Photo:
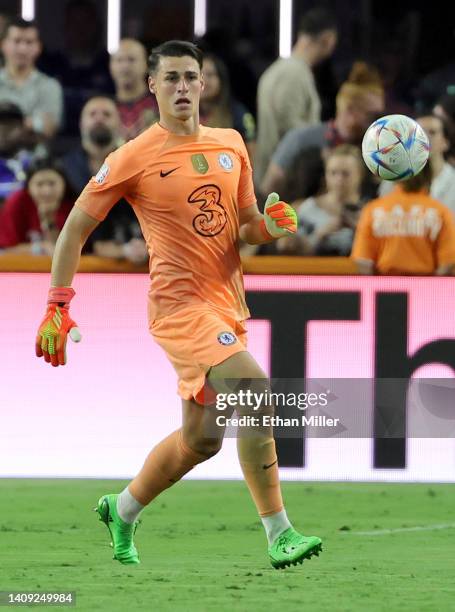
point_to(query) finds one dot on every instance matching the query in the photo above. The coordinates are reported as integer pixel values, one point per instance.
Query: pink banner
(100, 414)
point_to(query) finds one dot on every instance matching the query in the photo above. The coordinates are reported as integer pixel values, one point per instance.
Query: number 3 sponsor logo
(212, 217)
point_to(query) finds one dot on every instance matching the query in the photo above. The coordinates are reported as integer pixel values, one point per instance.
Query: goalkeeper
(191, 189)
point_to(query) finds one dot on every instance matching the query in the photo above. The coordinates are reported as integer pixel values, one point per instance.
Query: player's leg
(255, 445)
(176, 455)
(199, 428)
(258, 459)
(183, 449)
(165, 465)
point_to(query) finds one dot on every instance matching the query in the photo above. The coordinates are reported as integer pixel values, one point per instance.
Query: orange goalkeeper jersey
(186, 192)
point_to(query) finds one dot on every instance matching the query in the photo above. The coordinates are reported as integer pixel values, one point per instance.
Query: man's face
(21, 47)
(177, 85)
(129, 64)
(432, 126)
(100, 121)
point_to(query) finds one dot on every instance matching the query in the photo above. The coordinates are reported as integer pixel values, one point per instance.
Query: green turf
(202, 548)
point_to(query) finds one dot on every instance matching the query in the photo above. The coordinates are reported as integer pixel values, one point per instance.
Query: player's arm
(117, 178)
(57, 324)
(250, 225)
(72, 238)
(279, 219)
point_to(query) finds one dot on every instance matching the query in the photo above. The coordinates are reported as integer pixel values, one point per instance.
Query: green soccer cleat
(291, 548)
(121, 532)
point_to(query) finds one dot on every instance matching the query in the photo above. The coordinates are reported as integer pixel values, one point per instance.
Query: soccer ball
(395, 148)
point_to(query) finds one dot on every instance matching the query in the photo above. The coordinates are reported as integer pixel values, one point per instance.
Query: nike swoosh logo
(163, 174)
(266, 467)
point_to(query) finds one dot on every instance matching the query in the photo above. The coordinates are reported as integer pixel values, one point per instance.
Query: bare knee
(200, 429)
(208, 447)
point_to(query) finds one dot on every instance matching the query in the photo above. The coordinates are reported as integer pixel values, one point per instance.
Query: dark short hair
(22, 24)
(173, 48)
(317, 20)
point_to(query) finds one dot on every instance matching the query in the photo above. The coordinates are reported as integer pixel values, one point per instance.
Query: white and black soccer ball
(395, 148)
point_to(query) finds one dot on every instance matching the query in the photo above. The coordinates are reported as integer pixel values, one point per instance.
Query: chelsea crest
(225, 161)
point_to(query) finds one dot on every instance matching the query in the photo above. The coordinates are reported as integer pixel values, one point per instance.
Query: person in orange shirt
(406, 232)
(192, 191)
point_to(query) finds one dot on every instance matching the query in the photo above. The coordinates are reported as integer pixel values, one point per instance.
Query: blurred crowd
(62, 113)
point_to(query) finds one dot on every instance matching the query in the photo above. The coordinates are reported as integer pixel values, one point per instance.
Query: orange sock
(259, 463)
(167, 463)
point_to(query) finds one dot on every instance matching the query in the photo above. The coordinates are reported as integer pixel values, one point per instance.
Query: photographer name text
(266, 420)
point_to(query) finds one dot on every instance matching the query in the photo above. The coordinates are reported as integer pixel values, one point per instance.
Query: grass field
(203, 550)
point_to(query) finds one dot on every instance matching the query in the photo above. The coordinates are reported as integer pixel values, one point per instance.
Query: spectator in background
(32, 218)
(406, 232)
(287, 97)
(297, 162)
(14, 153)
(136, 105)
(445, 108)
(327, 222)
(443, 183)
(39, 96)
(100, 135)
(237, 49)
(120, 235)
(83, 66)
(218, 108)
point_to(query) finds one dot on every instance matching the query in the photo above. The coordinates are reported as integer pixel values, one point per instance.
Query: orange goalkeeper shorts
(196, 339)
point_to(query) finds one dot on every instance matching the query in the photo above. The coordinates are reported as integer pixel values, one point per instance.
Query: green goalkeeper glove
(280, 219)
